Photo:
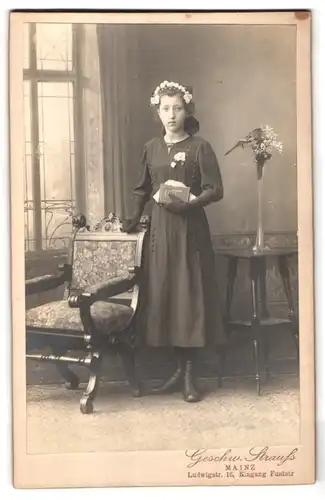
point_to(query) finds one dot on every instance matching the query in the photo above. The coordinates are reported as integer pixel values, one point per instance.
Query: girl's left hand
(177, 206)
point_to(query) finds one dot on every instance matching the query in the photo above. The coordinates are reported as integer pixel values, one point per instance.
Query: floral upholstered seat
(108, 317)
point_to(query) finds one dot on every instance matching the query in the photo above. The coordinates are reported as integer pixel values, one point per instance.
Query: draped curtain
(119, 73)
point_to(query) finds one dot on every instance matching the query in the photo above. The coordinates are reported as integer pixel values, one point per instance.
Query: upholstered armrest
(104, 289)
(113, 286)
(46, 282)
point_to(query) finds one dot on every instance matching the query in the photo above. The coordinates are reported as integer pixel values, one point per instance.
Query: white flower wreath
(155, 99)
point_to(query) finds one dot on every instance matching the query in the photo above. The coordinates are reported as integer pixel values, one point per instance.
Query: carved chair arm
(45, 282)
(105, 289)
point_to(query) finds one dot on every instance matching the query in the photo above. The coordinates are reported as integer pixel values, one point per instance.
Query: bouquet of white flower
(262, 141)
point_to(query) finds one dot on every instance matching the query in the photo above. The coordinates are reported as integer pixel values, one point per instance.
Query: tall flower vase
(260, 245)
(262, 141)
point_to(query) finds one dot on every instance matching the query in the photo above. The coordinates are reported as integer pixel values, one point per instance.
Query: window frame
(34, 75)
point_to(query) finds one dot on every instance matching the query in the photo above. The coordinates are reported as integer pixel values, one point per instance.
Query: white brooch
(179, 157)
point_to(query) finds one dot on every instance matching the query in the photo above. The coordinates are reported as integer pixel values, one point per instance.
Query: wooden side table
(260, 316)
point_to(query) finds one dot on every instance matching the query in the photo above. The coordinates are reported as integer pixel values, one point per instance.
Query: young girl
(182, 300)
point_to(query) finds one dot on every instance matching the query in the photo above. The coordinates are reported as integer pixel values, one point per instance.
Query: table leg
(262, 280)
(285, 275)
(254, 277)
(222, 364)
(231, 277)
(264, 312)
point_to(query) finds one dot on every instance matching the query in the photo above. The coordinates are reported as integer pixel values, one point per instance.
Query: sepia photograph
(162, 224)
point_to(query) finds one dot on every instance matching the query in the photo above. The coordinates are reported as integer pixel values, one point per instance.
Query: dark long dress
(182, 299)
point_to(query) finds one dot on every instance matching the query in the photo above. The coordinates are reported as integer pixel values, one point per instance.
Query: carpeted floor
(233, 416)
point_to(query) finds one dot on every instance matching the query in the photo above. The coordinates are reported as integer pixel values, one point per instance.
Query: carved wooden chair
(98, 310)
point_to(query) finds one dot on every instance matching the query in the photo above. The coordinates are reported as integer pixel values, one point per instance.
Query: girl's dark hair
(191, 125)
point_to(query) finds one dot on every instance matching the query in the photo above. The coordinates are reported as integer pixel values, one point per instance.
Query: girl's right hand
(128, 226)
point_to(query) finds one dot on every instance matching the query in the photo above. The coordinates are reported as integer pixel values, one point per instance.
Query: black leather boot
(175, 382)
(190, 392)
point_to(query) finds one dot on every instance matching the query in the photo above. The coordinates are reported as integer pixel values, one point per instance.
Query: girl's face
(172, 113)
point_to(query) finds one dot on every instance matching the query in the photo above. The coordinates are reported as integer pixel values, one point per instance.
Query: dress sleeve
(144, 187)
(211, 181)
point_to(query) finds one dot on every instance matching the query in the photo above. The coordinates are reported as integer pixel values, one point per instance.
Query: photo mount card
(56, 445)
